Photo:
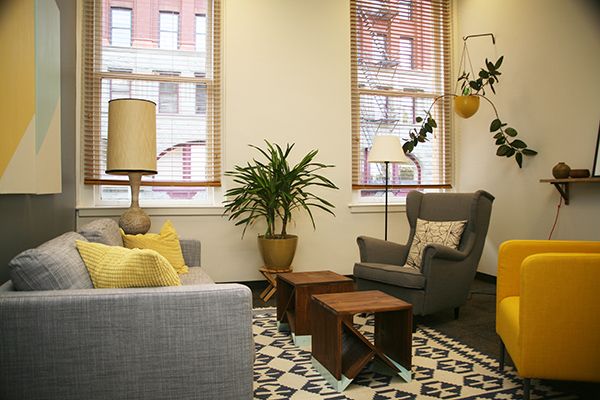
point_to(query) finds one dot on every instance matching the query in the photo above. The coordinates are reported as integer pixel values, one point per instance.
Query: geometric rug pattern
(442, 368)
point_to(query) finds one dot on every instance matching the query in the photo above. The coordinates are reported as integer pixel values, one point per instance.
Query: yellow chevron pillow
(118, 267)
(166, 243)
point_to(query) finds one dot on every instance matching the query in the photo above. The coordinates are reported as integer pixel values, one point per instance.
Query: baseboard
(485, 277)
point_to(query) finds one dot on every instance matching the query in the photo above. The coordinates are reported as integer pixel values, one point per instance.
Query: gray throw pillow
(53, 265)
(103, 230)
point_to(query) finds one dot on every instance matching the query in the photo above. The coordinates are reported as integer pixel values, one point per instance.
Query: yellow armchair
(548, 309)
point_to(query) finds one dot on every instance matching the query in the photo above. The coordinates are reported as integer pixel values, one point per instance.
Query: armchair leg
(456, 312)
(502, 355)
(526, 388)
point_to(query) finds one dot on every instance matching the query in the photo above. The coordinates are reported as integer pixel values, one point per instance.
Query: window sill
(152, 211)
(365, 208)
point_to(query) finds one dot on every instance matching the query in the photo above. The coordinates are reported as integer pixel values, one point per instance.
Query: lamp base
(134, 221)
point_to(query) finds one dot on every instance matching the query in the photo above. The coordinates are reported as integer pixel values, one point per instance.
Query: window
(120, 27)
(168, 95)
(184, 84)
(400, 64)
(169, 30)
(120, 88)
(201, 33)
(200, 97)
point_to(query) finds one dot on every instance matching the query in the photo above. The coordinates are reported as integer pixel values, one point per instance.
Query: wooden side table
(340, 351)
(271, 276)
(294, 291)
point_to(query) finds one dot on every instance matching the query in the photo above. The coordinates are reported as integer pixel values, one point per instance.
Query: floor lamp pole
(386, 197)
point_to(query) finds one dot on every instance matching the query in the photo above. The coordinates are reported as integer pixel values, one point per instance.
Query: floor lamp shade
(387, 149)
(132, 151)
(131, 137)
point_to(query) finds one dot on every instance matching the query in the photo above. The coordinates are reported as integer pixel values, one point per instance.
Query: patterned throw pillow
(447, 233)
(118, 267)
(166, 243)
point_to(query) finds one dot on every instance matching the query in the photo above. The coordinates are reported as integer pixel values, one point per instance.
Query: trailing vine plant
(504, 135)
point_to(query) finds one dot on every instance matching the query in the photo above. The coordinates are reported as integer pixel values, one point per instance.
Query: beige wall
(287, 79)
(550, 93)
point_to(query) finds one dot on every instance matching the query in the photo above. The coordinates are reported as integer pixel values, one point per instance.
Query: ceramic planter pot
(561, 170)
(278, 254)
(466, 106)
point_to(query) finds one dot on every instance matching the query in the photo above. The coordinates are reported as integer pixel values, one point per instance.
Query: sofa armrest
(191, 252)
(186, 342)
(512, 253)
(560, 310)
(381, 251)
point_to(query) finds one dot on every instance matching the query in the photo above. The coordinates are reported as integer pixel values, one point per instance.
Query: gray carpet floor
(475, 327)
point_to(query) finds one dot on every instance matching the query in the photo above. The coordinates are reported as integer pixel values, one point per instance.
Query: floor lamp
(387, 149)
(132, 151)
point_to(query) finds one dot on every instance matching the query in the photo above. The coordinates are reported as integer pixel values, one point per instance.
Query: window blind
(400, 53)
(147, 49)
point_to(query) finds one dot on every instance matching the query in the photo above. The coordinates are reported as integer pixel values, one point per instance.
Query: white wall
(550, 93)
(286, 79)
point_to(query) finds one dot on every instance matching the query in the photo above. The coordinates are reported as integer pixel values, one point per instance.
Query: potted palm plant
(272, 190)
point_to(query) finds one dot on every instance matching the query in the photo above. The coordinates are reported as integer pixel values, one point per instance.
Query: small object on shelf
(579, 173)
(561, 170)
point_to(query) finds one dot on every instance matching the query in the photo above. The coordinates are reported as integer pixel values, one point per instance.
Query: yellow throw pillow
(166, 243)
(118, 267)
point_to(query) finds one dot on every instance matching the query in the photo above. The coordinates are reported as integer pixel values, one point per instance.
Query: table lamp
(387, 149)
(132, 152)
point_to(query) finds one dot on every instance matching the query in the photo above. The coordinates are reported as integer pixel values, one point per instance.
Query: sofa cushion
(118, 267)
(397, 275)
(447, 233)
(103, 230)
(53, 265)
(166, 243)
(196, 276)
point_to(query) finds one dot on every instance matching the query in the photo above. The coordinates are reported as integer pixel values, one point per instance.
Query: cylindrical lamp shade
(387, 148)
(131, 137)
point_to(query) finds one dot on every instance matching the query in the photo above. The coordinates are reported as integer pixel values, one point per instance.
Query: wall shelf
(562, 185)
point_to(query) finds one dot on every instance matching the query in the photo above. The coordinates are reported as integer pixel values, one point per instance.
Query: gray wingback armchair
(446, 274)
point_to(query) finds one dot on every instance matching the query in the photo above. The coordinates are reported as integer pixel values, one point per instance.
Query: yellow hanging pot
(466, 106)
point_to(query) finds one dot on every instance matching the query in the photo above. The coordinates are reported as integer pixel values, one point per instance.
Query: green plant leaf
(428, 127)
(484, 74)
(519, 144)
(500, 140)
(407, 147)
(502, 150)
(519, 159)
(495, 125)
(432, 122)
(512, 132)
(419, 119)
(529, 152)
(499, 62)
(510, 152)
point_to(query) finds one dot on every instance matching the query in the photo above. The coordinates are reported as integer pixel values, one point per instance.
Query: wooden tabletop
(364, 301)
(312, 277)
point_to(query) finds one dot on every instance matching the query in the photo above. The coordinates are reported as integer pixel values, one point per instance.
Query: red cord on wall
(556, 218)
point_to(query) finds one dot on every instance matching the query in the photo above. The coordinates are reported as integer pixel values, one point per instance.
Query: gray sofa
(186, 342)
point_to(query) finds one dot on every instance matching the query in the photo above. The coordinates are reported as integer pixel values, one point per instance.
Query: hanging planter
(466, 106)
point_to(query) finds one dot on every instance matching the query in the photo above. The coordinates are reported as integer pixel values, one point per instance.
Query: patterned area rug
(442, 369)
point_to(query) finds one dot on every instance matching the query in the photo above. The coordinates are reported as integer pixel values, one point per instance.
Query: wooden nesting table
(340, 351)
(294, 291)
